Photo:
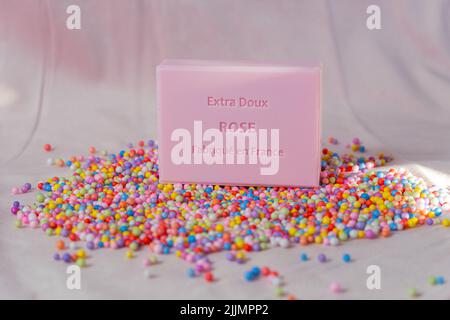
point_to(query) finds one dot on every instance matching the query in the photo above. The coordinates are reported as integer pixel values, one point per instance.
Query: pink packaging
(238, 123)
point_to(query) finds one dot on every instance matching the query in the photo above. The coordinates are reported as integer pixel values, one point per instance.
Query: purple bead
(26, 187)
(322, 258)
(120, 243)
(230, 256)
(360, 225)
(57, 257)
(67, 258)
(90, 245)
(16, 204)
(199, 268)
(370, 234)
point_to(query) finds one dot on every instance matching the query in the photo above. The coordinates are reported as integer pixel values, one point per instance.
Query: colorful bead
(208, 276)
(304, 257)
(48, 147)
(15, 190)
(335, 287)
(322, 258)
(26, 187)
(346, 258)
(60, 245)
(413, 293)
(191, 273)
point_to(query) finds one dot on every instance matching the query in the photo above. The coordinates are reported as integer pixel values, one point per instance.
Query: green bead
(153, 260)
(279, 291)
(81, 262)
(40, 197)
(136, 231)
(412, 292)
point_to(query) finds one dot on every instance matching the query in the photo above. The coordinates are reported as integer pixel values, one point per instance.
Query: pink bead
(15, 190)
(147, 262)
(335, 287)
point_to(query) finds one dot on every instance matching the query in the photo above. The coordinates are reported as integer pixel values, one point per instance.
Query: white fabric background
(95, 86)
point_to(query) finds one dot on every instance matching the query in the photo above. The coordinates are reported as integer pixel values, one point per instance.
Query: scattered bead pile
(115, 201)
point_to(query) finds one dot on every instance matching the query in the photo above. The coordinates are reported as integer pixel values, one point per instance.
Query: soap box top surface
(279, 102)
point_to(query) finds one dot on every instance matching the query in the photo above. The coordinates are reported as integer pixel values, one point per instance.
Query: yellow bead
(240, 255)
(81, 253)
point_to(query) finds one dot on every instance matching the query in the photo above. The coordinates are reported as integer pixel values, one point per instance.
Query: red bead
(47, 147)
(265, 271)
(208, 276)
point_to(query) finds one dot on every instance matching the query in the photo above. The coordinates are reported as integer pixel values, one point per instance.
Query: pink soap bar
(238, 123)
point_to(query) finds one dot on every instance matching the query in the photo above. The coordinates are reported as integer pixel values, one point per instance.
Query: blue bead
(304, 257)
(346, 258)
(191, 273)
(249, 276)
(256, 271)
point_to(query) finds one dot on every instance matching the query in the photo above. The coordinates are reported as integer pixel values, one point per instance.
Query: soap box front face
(239, 125)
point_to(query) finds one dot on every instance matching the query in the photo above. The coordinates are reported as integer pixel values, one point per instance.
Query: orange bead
(60, 245)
